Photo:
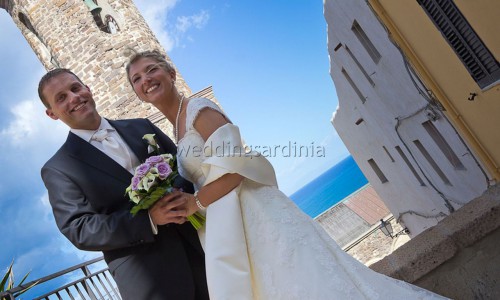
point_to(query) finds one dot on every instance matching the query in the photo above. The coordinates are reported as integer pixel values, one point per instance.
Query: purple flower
(163, 170)
(142, 170)
(154, 159)
(135, 183)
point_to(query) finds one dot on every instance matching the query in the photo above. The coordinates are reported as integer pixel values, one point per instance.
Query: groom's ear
(51, 114)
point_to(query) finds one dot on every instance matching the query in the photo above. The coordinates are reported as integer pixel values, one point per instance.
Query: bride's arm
(206, 123)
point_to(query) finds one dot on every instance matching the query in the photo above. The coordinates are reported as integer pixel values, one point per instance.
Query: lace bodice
(190, 152)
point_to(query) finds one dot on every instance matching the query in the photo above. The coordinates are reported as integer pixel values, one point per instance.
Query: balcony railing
(97, 285)
(100, 285)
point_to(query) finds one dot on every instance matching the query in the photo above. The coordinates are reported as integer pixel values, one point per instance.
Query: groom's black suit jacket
(87, 193)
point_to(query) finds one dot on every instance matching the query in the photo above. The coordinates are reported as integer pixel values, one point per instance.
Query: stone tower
(92, 38)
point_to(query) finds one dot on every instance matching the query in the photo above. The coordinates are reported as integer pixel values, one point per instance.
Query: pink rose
(163, 170)
(154, 160)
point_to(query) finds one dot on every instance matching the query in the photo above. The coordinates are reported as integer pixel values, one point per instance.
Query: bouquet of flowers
(153, 179)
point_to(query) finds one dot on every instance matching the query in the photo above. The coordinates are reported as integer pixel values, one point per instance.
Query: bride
(258, 244)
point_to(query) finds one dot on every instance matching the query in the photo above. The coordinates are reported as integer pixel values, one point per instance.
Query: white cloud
(23, 225)
(31, 258)
(184, 23)
(31, 127)
(47, 209)
(170, 35)
(67, 248)
(21, 128)
(35, 259)
(156, 15)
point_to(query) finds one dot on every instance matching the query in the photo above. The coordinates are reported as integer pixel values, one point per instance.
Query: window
(443, 145)
(107, 24)
(431, 161)
(353, 85)
(365, 41)
(111, 24)
(377, 171)
(410, 166)
(481, 64)
(388, 154)
(39, 46)
(26, 22)
(359, 66)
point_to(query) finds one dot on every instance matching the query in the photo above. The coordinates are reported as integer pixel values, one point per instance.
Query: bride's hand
(172, 208)
(191, 206)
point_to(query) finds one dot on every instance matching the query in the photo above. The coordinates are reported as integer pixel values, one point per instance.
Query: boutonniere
(152, 144)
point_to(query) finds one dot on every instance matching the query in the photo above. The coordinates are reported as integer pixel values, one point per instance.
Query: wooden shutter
(481, 64)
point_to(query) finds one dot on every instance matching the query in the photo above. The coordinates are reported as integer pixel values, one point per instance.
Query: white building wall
(392, 94)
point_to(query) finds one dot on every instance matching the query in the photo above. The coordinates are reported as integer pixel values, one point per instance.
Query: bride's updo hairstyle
(154, 55)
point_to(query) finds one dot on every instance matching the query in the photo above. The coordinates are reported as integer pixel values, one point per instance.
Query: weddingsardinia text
(227, 149)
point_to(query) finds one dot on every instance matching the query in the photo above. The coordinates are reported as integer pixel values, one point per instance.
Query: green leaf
(7, 282)
(25, 289)
(24, 278)
(6, 278)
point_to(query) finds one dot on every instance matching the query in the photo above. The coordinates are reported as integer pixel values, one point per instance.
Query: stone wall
(342, 224)
(63, 33)
(374, 245)
(458, 257)
(353, 223)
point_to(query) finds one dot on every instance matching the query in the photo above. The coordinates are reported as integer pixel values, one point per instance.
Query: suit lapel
(132, 136)
(92, 156)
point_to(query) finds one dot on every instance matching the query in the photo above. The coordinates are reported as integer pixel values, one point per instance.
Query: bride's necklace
(177, 119)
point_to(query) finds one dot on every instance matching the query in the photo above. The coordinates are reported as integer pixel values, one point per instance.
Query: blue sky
(269, 68)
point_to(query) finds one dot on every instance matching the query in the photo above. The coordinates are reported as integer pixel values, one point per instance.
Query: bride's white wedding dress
(258, 243)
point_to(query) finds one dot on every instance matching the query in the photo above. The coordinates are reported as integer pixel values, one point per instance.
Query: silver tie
(111, 147)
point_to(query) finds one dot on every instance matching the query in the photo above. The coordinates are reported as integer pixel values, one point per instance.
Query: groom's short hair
(47, 77)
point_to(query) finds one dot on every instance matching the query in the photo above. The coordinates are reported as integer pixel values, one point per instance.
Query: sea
(330, 188)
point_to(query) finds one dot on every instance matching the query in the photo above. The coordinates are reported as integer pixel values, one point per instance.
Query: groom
(86, 182)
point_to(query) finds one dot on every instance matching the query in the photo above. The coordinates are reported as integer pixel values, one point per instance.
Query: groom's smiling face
(70, 101)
